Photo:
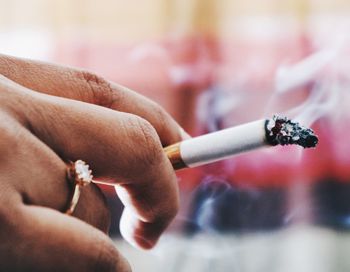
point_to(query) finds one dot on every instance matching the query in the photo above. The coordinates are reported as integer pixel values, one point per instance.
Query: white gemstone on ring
(83, 173)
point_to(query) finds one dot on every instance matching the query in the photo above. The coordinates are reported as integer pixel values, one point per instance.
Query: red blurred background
(215, 64)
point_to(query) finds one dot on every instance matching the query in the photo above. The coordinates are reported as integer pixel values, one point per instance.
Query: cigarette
(240, 139)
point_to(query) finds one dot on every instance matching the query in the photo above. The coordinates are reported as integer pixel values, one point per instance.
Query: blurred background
(214, 64)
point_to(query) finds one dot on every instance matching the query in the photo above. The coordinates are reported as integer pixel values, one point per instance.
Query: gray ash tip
(283, 131)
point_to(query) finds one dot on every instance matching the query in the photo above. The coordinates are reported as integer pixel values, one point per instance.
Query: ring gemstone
(83, 173)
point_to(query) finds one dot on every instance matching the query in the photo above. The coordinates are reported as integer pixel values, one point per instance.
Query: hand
(51, 114)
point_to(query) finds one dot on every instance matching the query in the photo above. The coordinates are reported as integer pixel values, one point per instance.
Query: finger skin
(39, 175)
(46, 240)
(120, 147)
(34, 238)
(88, 87)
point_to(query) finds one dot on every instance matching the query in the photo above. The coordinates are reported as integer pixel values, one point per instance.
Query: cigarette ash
(283, 131)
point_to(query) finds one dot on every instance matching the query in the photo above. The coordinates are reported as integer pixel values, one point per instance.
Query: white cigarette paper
(223, 144)
(232, 141)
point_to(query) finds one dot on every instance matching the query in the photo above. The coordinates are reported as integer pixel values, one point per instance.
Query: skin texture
(51, 114)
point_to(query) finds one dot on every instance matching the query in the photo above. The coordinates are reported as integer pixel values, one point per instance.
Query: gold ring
(78, 175)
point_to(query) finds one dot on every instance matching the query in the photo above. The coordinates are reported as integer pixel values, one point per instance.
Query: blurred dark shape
(220, 207)
(332, 199)
(116, 208)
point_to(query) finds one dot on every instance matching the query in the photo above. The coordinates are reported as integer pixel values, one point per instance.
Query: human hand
(118, 132)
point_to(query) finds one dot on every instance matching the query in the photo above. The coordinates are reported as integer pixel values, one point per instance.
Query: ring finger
(41, 180)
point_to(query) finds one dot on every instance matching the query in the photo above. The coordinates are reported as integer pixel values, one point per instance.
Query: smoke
(290, 77)
(325, 74)
(210, 193)
(215, 104)
(321, 81)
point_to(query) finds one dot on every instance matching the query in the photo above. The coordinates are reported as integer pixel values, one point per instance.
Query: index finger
(91, 88)
(121, 148)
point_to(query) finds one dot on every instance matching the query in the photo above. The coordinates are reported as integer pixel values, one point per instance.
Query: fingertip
(144, 243)
(130, 226)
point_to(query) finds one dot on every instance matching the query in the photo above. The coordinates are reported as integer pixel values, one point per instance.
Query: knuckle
(9, 137)
(147, 138)
(100, 90)
(162, 116)
(165, 125)
(109, 259)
